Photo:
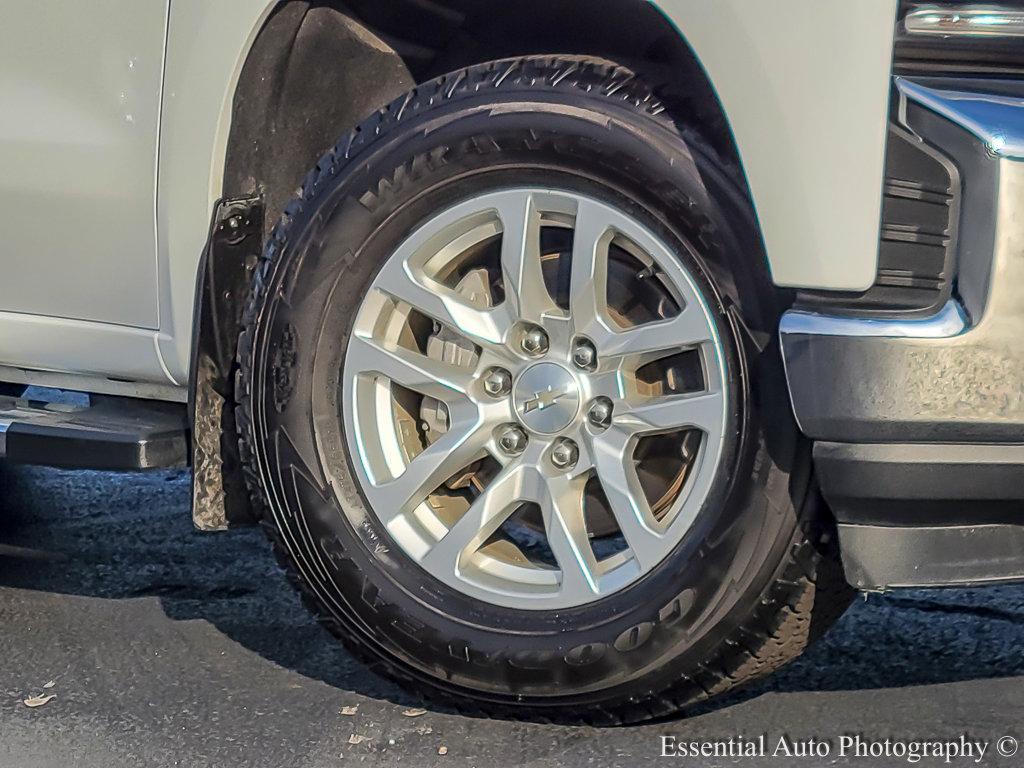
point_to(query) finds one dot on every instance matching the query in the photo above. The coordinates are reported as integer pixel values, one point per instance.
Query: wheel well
(319, 66)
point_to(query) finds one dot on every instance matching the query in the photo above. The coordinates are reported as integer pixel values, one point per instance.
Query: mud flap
(219, 496)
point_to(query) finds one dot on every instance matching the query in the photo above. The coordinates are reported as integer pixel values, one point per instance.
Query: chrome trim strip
(949, 321)
(965, 21)
(996, 120)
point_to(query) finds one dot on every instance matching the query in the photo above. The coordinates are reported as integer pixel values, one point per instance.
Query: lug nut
(535, 341)
(600, 413)
(584, 355)
(512, 440)
(497, 382)
(565, 453)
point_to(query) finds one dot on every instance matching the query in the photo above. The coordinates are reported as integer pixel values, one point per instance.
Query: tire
(753, 580)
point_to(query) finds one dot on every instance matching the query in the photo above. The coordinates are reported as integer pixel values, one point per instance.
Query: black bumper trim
(883, 557)
(916, 484)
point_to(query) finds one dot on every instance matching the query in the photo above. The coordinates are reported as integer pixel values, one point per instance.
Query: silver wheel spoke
(459, 447)
(485, 515)
(525, 290)
(589, 298)
(410, 369)
(626, 498)
(688, 329)
(485, 327)
(589, 281)
(701, 410)
(568, 538)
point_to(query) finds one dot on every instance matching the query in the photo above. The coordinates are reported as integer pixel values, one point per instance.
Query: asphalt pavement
(162, 646)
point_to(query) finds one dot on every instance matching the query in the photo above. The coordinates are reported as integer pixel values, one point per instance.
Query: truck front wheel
(504, 411)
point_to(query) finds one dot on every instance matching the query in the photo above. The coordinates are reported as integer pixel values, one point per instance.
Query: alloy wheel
(535, 398)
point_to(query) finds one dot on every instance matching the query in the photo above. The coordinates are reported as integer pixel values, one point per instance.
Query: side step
(111, 433)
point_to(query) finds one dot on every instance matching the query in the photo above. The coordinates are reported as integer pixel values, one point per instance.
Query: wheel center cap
(547, 398)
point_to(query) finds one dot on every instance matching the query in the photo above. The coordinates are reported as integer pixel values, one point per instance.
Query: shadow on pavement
(114, 536)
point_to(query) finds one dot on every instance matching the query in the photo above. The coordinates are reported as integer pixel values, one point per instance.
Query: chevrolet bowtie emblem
(546, 398)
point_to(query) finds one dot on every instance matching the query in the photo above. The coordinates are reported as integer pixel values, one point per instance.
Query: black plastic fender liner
(313, 72)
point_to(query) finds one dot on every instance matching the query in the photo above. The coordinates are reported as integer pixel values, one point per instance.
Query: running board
(112, 433)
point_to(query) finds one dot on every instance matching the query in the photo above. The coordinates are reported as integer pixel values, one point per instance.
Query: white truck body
(116, 118)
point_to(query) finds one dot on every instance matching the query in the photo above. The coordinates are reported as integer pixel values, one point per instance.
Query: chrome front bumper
(957, 376)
